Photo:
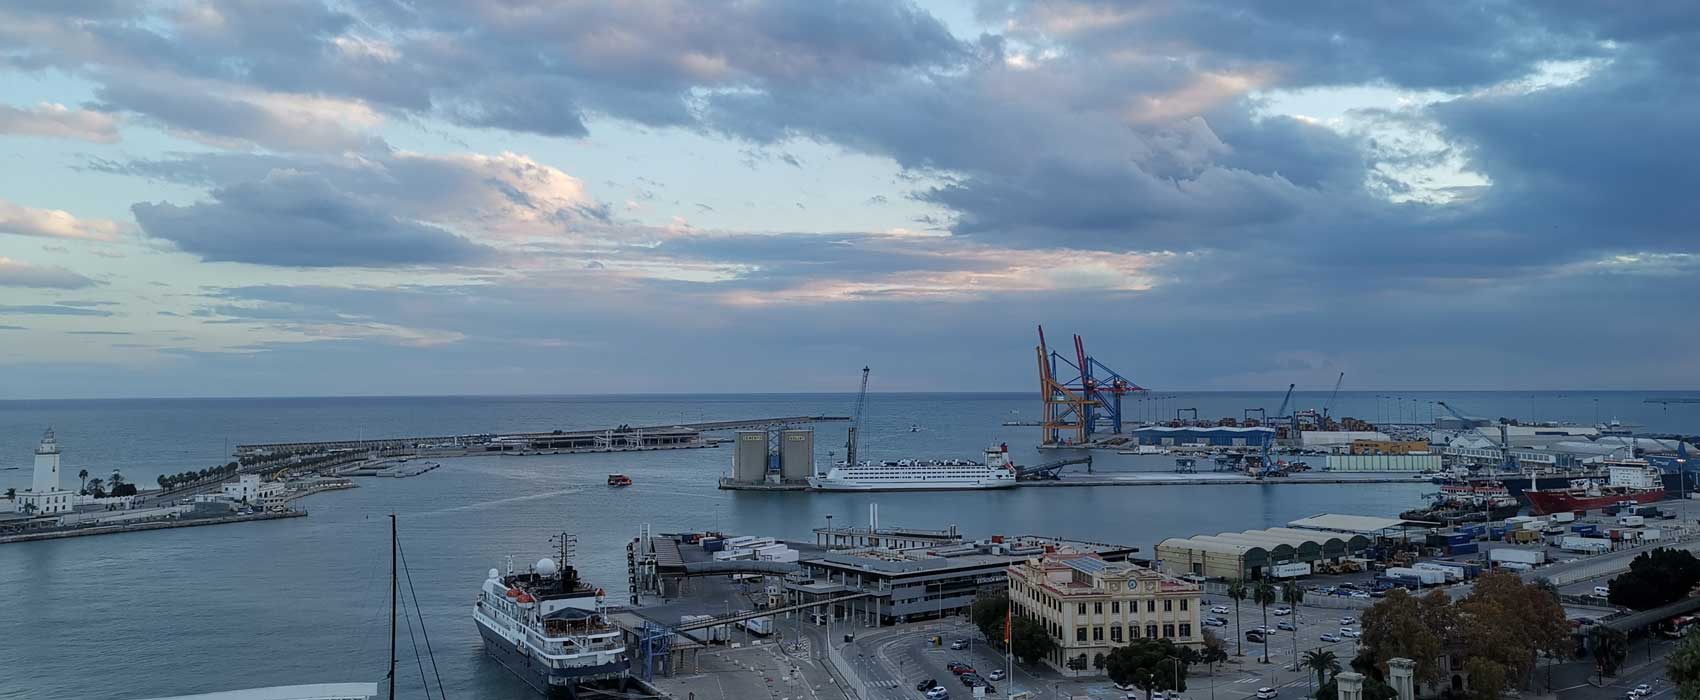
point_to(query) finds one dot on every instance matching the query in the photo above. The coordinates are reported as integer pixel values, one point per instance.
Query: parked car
(938, 693)
(1220, 610)
(1348, 621)
(959, 644)
(1285, 626)
(959, 668)
(1361, 594)
(926, 685)
(1254, 636)
(996, 674)
(1602, 591)
(1330, 637)
(1283, 612)
(969, 679)
(1267, 694)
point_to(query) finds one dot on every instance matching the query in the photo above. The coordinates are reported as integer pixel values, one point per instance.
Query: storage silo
(749, 459)
(796, 454)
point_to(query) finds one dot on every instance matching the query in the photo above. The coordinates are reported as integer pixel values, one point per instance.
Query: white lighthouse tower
(45, 497)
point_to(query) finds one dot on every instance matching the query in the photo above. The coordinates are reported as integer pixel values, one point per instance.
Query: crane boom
(1282, 411)
(856, 420)
(1330, 405)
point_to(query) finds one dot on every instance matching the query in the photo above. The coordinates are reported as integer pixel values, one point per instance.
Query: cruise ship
(550, 629)
(921, 474)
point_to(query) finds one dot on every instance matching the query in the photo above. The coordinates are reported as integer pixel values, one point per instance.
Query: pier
(62, 533)
(624, 438)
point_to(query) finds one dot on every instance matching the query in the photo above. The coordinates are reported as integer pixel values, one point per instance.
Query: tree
(1610, 648)
(1323, 663)
(1097, 662)
(84, 475)
(96, 487)
(125, 489)
(1394, 627)
(1683, 669)
(11, 494)
(1029, 641)
(29, 508)
(1655, 578)
(1294, 595)
(1264, 594)
(164, 481)
(116, 480)
(1487, 679)
(988, 613)
(1237, 591)
(1213, 656)
(1148, 664)
(1510, 624)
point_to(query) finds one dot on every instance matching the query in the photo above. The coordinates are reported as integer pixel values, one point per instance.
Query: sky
(358, 197)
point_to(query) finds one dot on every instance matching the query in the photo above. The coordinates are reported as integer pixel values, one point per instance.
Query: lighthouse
(45, 497)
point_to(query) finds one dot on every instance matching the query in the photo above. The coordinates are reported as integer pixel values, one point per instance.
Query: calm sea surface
(305, 600)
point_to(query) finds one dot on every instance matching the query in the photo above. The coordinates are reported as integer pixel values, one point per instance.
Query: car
(1283, 612)
(1254, 636)
(1361, 594)
(926, 685)
(1330, 637)
(959, 668)
(1215, 622)
(1640, 690)
(1285, 626)
(1268, 694)
(1349, 586)
(1348, 621)
(996, 674)
(969, 679)
(938, 693)
(959, 644)
(1349, 633)
(1219, 610)
(1129, 687)
(1602, 592)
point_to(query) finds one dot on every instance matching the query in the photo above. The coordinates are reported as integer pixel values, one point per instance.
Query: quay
(622, 438)
(153, 525)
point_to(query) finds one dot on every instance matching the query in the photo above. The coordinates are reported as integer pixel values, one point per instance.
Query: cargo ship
(551, 629)
(1463, 502)
(1628, 481)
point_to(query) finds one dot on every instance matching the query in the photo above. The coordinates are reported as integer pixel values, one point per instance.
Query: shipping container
(1631, 520)
(1289, 570)
(1588, 545)
(1523, 556)
(1583, 528)
(1515, 565)
(1463, 549)
(713, 544)
(1426, 576)
(1564, 517)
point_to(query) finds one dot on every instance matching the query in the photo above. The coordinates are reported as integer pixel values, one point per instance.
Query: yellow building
(1389, 447)
(1092, 606)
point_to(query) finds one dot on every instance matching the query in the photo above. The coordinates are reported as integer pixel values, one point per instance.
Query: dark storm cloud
(297, 220)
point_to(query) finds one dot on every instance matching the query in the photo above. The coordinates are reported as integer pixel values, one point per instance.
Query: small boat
(914, 428)
(619, 480)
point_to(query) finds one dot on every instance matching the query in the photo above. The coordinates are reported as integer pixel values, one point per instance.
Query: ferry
(619, 480)
(552, 630)
(1627, 481)
(921, 474)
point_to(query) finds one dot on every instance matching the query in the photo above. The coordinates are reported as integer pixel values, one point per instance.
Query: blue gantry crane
(1079, 394)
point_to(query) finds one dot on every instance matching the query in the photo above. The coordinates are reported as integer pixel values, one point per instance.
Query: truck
(1289, 570)
(1528, 557)
(717, 633)
(1428, 577)
(1586, 545)
(1564, 517)
(1631, 520)
(759, 626)
(1452, 573)
(1515, 565)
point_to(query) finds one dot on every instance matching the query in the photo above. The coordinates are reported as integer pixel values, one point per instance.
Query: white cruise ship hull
(820, 483)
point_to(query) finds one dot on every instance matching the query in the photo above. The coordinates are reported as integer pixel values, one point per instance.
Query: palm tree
(116, 480)
(1294, 595)
(84, 475)
(11, 494)
(1237, 591)
(94, 487)
(1323, 663)
(1264, 594)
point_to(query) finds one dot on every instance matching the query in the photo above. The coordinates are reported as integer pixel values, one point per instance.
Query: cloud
(53, 223)
(58, 121)
(14, 273)
(98, 333)
(49, 310)
(293, 219)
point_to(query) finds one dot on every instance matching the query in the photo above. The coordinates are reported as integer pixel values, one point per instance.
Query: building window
(1168, 631)
(1151, 606)
(1080, 634)
(1151, 631)
(1097, 634)
(1116, 634)
(1183, 605)
(1186, 630)
(1168, 605)
(1083, 608)
(1097, 608)
(1115, 606)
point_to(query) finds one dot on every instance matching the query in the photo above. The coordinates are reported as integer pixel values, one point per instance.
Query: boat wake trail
(481, 505)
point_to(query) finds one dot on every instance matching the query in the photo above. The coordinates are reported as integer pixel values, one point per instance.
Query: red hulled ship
(1629, 481)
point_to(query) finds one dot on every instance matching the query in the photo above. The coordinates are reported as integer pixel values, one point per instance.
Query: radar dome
(546, 567)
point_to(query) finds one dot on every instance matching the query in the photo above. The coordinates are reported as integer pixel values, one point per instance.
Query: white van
(1602, 592)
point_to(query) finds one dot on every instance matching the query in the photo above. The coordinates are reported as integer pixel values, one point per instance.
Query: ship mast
(395, 590)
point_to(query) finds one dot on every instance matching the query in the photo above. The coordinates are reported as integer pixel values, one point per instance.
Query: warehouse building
(1252, 554)
(1219, 436)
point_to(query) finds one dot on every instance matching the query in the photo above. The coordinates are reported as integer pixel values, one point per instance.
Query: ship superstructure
(551, 628)
(921, 474)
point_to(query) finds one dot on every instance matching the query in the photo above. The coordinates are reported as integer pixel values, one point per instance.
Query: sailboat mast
(395, 591)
